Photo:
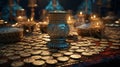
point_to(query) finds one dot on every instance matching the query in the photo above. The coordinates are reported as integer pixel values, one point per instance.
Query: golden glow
(97, 24)
(20, 17)
(69, 18)
(94, 16)
(28, 20)
(14, 25)
(5, 22)
(27, 30)
(117, 22)
(31, 19)
(81, 13)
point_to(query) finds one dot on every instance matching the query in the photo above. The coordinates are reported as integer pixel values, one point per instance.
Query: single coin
(114, 47)
(44, 48)
(8, 54)
(63, 59)
(57, 54)
(87, 54)
(75, 56)
(104, 42)
(68, 53)
(18, 49)
(36, 57)
(36, 52)
(25, 54)
(29, 60)
(46, 57)
(79, 50)
(74, 47)
(51, 61)
(44, 53)
(38, 63)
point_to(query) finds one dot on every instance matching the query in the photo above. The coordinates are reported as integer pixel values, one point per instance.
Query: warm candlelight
(1, 21)
(13, 25)
(69, 18)
(27, 30)
(5, 22)
(117, 22)
(81, 13)
(47, 19)
(28, 20)
(81, 17)
(94, 16)
(97, 25)
(19, 17)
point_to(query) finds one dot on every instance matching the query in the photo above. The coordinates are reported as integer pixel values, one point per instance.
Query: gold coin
(38, 62)
(75, 56)
(36, 52)
(68, 53)
(51, 61)
(87, 54)
(25, 54)
(44, 53)
(46, 57)
(79, 50)
(29, 60)
(17, 64)
(57, 54)
(63, 59)
(36, 57)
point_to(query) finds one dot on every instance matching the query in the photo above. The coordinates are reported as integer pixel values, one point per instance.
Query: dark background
(67, 4)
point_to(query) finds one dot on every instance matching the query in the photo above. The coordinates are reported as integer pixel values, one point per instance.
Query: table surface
(91, 51)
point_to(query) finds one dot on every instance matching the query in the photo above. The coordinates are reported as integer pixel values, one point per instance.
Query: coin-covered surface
(32, 51)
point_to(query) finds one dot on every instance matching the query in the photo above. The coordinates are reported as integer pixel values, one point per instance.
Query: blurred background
(94, 6)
